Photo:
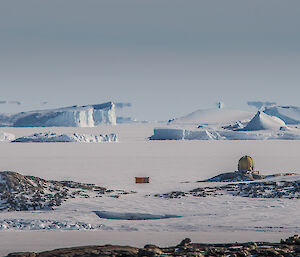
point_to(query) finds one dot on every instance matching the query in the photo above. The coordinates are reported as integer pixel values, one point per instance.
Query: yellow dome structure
(246, 163)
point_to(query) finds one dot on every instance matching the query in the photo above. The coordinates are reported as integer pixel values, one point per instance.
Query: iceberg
(73, 116)
(289, 114)
(263, 121)
(6, 137)
(225, 124)
(212, 117)
(168, 134)
(53, 137)
(202, 135)
(260, 104)
(223, 134)
(184, 134)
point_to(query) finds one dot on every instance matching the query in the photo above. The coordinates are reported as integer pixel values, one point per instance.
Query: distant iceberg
(260, 127)
(212, 117)
(226, 124)
(289, 114)
(73, 116)
(223, 134)
(53, 137)
(263, 121)
(6, 137)
(184, 134)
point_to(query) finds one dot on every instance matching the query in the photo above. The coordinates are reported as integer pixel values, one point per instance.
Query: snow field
(168, 164)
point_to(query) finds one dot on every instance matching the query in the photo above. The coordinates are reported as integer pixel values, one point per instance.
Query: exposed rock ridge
(22, 193)
(288, 247)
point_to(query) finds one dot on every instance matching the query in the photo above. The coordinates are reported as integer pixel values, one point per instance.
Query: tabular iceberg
(73, 116)
(53, 137)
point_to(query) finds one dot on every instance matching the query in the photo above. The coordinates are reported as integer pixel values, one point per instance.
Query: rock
(293, 240)
(261, 189)
(150, 250)
(297, 249)
(22, 254)
(288, 247)
(185, 242)
(23, 193)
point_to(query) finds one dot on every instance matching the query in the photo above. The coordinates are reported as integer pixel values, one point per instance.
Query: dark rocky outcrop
(244, 176)
(289, 247)
(259, 189)
(22, 193)
(235, 176)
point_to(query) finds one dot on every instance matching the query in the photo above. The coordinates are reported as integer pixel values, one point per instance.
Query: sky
(166, 57)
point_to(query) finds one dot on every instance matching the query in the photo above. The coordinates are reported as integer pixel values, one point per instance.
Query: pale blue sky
(167, 57)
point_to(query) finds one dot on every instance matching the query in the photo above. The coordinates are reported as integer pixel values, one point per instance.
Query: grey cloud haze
(165, 57)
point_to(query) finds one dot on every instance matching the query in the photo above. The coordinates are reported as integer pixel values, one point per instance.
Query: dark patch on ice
(132, 216)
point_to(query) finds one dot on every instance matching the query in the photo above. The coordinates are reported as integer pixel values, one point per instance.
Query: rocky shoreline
(288, 247)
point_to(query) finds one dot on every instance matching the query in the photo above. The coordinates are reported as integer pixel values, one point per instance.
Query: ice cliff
(53, 137)
(289, 114)
(6, 137)
(73, 116)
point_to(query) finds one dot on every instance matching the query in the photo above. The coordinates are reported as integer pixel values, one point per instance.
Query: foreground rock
(22, 193)
(288, 247)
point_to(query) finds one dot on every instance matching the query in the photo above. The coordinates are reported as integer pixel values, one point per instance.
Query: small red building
(142, 180)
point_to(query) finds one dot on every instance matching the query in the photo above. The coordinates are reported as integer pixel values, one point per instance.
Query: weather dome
(246, 163)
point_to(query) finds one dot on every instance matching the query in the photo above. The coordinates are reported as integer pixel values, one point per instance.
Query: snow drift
(73, 116)
(53, 137)
(262, 121)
